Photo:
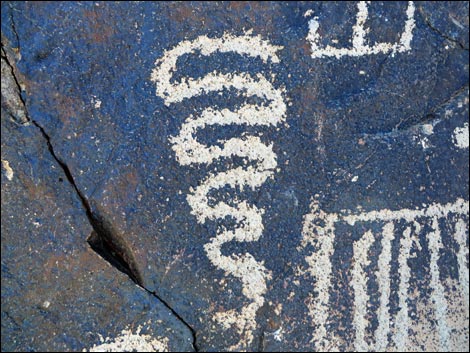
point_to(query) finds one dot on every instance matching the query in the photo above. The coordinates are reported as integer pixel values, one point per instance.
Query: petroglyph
(383, 274)
(8, 170)
(394, 317)
(359, 41)
(128, 341)
(460, 136)
(322, 238)
(190, 152)
(359, 284)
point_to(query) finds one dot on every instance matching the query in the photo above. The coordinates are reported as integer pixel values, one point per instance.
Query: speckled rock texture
(226, 176)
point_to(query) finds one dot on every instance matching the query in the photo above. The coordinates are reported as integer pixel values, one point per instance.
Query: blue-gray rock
(57, 293)
(330, 210)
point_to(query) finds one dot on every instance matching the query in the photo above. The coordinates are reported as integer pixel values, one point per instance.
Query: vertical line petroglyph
(359, 283)
(319, 267)
(402, 319)
(383, 275)
(438, 292)
(461, 235)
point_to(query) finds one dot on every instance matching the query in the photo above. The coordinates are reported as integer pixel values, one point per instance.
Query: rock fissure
(438, 32)
(429, 117)
(13, 25)
(105, 240)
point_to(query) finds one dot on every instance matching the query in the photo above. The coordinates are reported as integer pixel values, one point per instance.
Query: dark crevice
(113, 242)
(264, 317)
(446, 37)
(408, 123)
(451, 98)
(113, 247)
(178, 316)
(105, 240)
(13, 26)
(103, 229)
(438, 32)
(7, 314)
(17, 119)
(107, 252)
(261, 342)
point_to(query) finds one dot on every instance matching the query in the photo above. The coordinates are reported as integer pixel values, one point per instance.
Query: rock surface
(57, 293)
(273, 194)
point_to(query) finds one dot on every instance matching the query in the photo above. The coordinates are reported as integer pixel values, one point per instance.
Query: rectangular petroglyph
(403, 227)
(360, 47)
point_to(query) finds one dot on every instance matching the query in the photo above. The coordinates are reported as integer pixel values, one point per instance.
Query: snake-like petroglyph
(383, 228)
(260, 160)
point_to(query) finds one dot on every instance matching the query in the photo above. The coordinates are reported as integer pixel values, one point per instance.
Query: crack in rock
(427, 21)
(11, 91)
(409, 123)
(13, 25)
(105, 240)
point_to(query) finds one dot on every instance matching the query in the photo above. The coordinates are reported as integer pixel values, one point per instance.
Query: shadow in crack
(107, 252)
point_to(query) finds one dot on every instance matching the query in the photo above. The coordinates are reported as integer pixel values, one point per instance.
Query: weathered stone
(57, 293)
(11, 96)
(375, 127)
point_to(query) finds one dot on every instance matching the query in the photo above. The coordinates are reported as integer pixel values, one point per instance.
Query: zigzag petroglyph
(190, 152)
(320, 231)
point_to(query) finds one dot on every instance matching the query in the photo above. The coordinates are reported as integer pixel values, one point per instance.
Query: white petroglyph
(461, 235)
(383, 275)
(8, 170)
(401, 320)
(322, 238)
(190, 152)
(359, 284)
(319, 231)
(438, 291)
(128, 341)
(359, 40)
(460, 136)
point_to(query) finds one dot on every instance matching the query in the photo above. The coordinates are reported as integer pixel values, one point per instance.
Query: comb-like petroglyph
(190, 152)
(360, 45)
(406, 225)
